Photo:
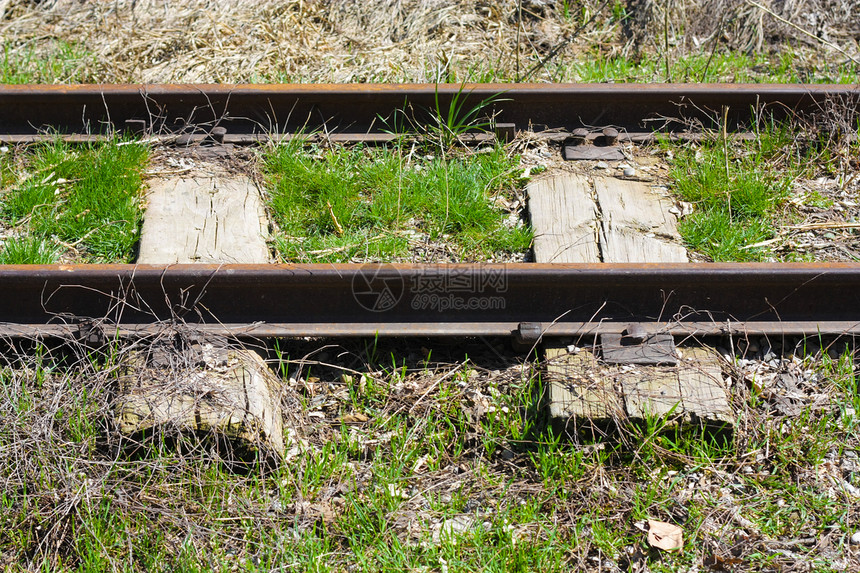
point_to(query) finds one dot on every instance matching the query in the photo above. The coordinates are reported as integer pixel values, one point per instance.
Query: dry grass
(316, 41)
(745, 25)
(427, 456)
(403, 40)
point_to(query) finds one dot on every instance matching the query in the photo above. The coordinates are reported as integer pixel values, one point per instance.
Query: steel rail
(252, 112)
(525, 300)
(432, 300)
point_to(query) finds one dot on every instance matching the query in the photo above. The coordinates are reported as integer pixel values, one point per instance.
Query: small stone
(629, 172)
(769, 356)
(4, 149)
(601, 165)
(457, 525)
(396, 492)
(855, 539)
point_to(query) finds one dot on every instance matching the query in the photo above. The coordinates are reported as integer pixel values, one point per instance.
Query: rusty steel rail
(523, 300)
(249, 113)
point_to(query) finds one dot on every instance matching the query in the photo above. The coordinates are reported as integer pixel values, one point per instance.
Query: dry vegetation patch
(426, 455)
(423, 40)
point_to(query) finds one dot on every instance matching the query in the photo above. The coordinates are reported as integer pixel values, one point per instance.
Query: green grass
(723, 66)
(738, 190)
(80, 198)
(388, 494)
(369, 204)
(56, 61)
(7, 166)
(29, 250)
(597, 66)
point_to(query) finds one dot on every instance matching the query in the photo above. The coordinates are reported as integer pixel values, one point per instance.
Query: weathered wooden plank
(651, 391)
(592, 152)
(204, 220)
(227, 392)
(692, 392)
(704, 394)
(636, 226)
(580, 387)
(563, 215)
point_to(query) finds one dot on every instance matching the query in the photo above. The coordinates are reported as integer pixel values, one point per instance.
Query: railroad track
(358, 112)
(527, 301)
(523, 300)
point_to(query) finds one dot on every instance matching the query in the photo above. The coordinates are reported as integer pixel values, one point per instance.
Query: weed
(370, 204)
(737, 202)
(85, 199)
(619, 11)
(450, 123)
(29, 250)
(442, 128)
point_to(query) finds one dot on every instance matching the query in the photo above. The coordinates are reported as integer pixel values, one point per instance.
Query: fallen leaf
(354, 418)
(664, 535)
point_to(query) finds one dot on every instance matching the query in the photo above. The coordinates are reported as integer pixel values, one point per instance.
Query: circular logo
(377, 287)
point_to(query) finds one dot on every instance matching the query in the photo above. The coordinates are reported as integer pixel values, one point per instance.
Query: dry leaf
(354, 418)
(664, 535)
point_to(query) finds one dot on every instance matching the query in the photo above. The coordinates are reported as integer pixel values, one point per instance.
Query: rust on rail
(371, 108)
(435, 300)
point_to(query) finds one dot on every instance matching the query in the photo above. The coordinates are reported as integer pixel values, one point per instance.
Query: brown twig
(338, 229)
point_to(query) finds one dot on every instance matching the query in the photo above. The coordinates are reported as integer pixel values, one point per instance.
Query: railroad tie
(212, 218)
(581, 219)
(208, 218)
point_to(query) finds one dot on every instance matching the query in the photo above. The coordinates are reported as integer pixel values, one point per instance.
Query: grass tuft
(335, 205)
(737, 199)
(85, 199)
(29, 250)
(58, 61)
